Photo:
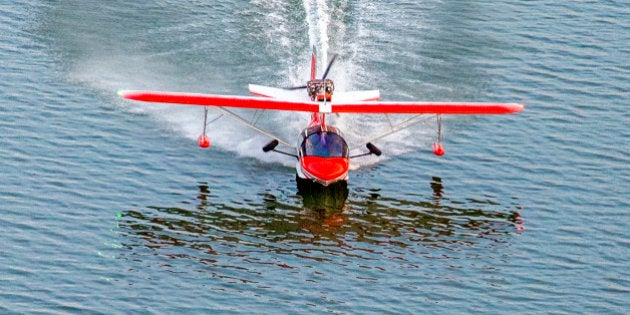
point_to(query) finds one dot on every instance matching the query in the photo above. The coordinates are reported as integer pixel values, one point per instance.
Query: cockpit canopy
(323, 142)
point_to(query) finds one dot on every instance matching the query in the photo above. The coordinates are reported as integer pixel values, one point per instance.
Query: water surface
(109, 207)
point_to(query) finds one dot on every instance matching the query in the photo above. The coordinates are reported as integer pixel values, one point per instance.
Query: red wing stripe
(428, 108)
(356, 108)
(218, 100)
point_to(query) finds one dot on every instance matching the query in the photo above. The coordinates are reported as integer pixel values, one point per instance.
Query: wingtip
(128, 94)
(513, 108)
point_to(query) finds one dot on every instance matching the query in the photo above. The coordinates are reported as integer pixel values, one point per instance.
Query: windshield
(324, 144)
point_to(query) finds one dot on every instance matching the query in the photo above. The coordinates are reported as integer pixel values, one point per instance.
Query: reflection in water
(324, 204)
(438, 188)
(323, 226)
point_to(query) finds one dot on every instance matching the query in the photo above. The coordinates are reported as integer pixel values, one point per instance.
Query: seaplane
(322, 153)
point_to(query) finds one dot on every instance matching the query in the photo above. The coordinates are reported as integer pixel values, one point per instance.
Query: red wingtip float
(438, 149)
(204, 141)
(323, 154)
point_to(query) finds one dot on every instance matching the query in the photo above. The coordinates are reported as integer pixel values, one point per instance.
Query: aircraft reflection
(320, 223)
(438, 188)
(323, 206)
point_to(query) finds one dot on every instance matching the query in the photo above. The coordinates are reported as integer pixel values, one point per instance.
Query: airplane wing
(220, 100)
(446, 108)
(360, 107)
(278, 93)
(356, 96)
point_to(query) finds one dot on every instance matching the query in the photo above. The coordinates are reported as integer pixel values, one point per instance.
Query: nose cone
(325, 168)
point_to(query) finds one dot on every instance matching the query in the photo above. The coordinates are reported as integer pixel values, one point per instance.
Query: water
(108, 206)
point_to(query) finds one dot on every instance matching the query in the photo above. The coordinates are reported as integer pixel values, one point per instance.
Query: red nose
(325, 168)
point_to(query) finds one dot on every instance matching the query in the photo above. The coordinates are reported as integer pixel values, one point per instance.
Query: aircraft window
(325, 144)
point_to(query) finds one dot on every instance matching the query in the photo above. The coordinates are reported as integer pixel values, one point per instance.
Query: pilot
(324, 144)
(316, 145)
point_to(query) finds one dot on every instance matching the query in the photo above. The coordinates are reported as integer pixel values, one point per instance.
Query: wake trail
(170, 48)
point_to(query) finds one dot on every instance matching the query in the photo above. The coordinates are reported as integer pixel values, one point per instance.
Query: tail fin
(313, 64)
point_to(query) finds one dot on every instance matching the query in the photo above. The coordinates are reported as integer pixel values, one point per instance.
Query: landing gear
(372, 150)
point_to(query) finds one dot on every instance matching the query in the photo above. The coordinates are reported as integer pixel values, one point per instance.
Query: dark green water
(110, 207)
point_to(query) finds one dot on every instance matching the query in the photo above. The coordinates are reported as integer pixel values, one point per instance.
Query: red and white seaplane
(322, 152)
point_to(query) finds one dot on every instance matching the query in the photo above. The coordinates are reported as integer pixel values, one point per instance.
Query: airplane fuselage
(323, 154)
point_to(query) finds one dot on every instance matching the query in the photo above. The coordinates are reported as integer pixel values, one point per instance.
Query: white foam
(118, 70)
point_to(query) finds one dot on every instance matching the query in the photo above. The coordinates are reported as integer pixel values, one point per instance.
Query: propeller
(295, 87)
(330, 63)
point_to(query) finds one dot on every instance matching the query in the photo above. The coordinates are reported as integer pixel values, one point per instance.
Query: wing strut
(203, 140)
(245, 123)
(438, 149)
(396, 128)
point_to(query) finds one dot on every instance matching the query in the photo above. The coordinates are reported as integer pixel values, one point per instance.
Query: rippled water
(108, 206)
